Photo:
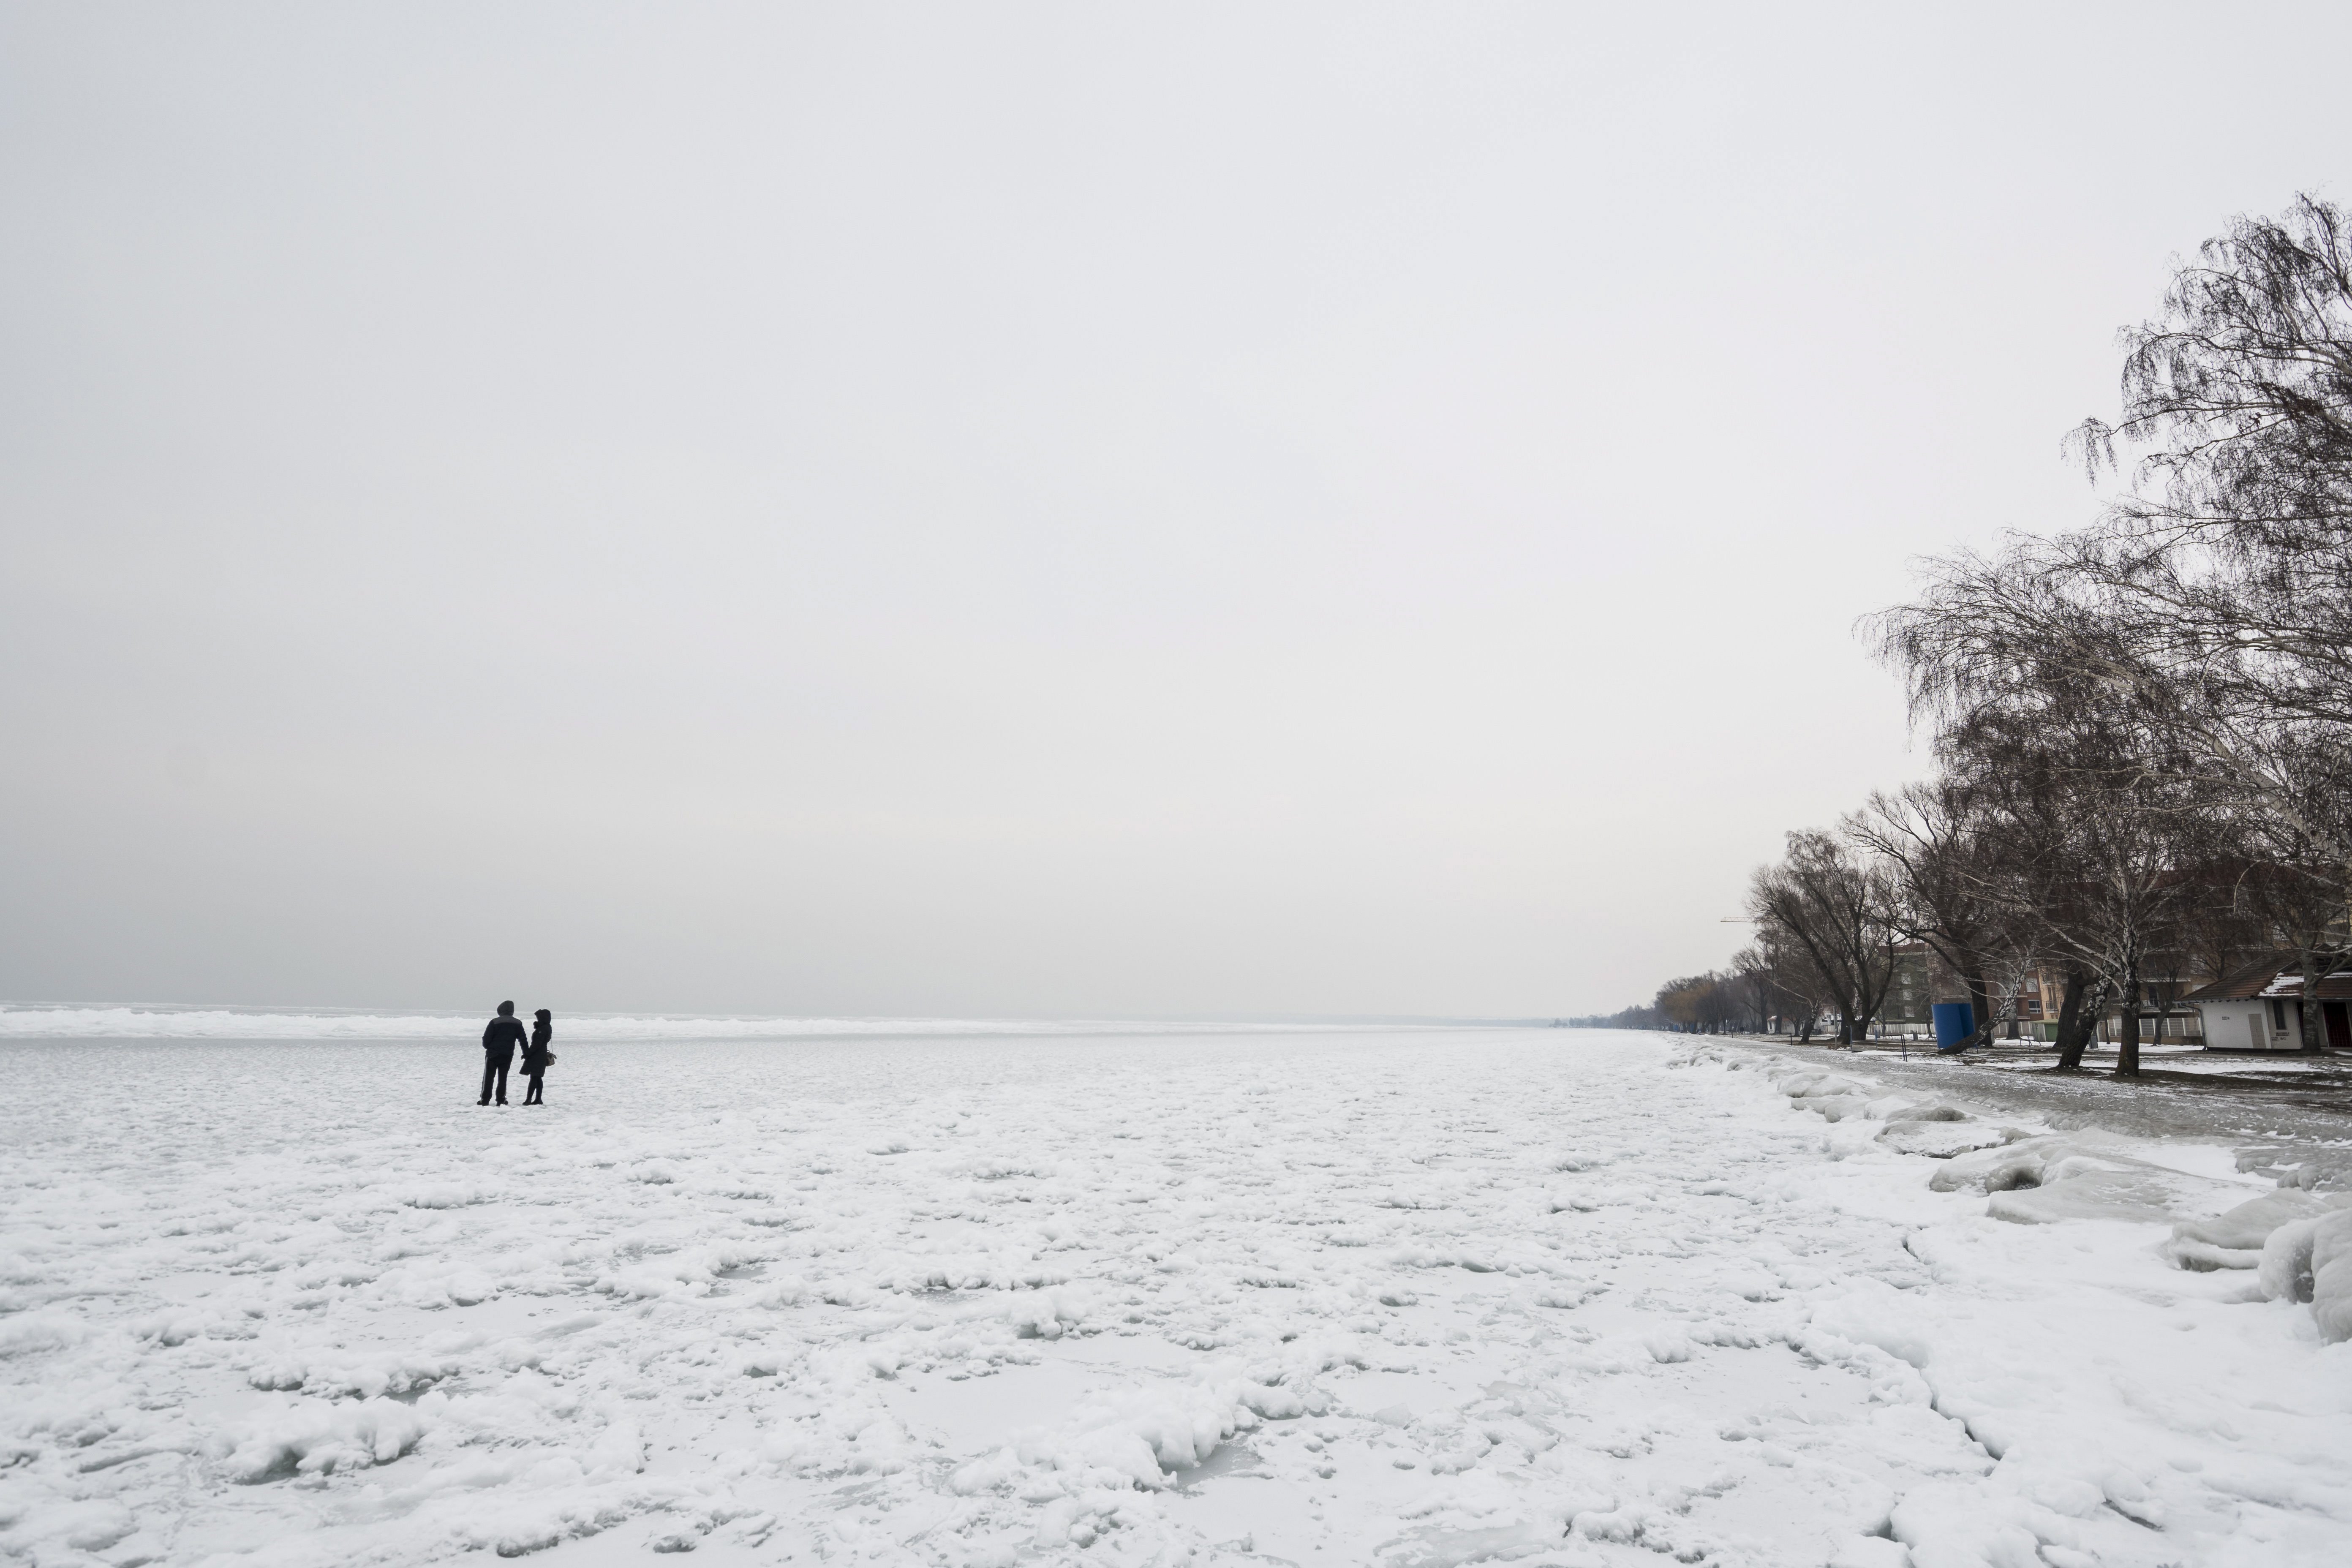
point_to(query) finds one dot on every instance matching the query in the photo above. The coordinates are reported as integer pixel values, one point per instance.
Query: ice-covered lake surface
(1408, 1298)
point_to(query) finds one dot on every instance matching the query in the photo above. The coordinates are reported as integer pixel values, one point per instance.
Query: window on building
(2278, 1016)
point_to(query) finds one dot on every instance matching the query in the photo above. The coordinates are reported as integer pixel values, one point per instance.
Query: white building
(2260, 1008)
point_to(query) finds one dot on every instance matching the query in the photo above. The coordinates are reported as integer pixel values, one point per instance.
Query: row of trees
(2143, 728)
(1740, 1000)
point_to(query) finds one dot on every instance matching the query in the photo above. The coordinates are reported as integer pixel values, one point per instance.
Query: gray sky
(1066, 509)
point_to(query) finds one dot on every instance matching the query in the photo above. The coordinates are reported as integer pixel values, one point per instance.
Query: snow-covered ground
(1412, 1298)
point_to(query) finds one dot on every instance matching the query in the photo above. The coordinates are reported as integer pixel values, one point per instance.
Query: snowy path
(2297, 1101)
(1407, 1299)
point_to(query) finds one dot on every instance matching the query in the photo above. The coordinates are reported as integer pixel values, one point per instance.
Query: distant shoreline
(20, 1021)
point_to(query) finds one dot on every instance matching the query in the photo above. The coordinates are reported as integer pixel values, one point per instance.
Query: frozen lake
(1410, 1297)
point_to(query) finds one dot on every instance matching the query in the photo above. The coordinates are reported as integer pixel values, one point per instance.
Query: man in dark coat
(499, 1043)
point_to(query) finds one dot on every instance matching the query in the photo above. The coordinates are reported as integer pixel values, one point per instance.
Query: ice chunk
(2075, 1176)
(1140, 1434)
(307, 1438)
(1932, 1112)
(89, 1525)
(2310, 1260)
(1278, 1402)
(441, 1194)
(1818, 1084)
(39, 1331)
(2138, 1196)
(1953, 1525)
(2331, 1277)
(2234, 1240)
(2024, 1163)
(1943, 1139)
(1045, 1314)
(368, 1377)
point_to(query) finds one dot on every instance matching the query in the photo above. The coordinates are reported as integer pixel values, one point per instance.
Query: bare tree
(1710, 1004)
(2106, 839)
(1946, 875)
(1682, 1001)
(1638, 1017)
(1834, 909)
(1788, 986)
(2213, 600)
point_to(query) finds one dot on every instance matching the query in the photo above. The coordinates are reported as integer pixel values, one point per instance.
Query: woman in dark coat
(536, 1056)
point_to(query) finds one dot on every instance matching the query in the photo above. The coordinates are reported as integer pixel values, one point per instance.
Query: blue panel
(1955, 1022)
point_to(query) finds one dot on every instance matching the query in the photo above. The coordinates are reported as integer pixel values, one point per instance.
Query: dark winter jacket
(503, 1036)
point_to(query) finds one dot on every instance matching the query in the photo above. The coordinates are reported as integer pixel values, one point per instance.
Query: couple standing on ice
(499, 1043)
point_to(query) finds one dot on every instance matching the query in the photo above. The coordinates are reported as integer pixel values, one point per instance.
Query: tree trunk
(2127, 1044)
(1979, 1006)
(2308, 1013)
(2071, 1035)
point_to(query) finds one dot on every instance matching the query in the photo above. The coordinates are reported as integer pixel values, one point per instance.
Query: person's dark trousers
(493, 1066)
(532, 1096)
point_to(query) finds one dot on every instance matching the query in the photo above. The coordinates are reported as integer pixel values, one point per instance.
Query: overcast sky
(1019, 509)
